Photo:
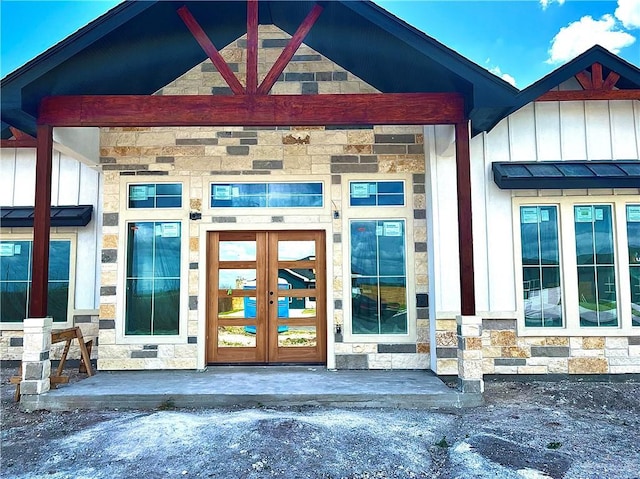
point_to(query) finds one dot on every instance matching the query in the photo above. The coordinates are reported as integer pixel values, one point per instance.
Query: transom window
(15, 282)
(267, 195)
(155, 195)
(376, 193)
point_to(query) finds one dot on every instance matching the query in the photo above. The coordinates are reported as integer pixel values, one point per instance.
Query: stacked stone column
(470, 378)
(36, 364)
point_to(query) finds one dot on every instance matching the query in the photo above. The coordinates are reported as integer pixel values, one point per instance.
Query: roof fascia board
(596, 54)
(76, 42)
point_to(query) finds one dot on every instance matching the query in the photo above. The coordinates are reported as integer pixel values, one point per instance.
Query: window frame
(55, 236)
(569, 266)
(386, 213)
(267, 211)
(140, 215)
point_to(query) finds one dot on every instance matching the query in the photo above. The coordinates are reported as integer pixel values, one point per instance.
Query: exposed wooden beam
(252, 46)
(20, 135)
(580, 95)
(611, 80)
(210, 49)
(288, 52)
(254, 110)
(596, 76)
(29, 143)
(584, 80)
(465, 227)
(41, 223)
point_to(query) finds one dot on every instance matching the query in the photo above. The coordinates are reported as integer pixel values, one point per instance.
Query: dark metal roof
(140, 46)
(22, 216)
(541, 175)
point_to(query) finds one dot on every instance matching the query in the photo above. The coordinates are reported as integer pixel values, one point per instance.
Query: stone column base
(36, 364)
(470, 376)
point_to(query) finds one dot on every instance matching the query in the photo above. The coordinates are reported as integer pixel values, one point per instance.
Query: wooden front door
(266, 297)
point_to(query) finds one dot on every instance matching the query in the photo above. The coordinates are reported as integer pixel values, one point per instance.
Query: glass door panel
(266, 297)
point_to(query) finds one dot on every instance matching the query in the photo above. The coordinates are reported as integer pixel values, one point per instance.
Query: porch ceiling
(139, 47)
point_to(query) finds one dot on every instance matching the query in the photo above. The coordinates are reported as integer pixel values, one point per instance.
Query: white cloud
(579, 36)
(546, 3)
(628, 12)
(505, 76)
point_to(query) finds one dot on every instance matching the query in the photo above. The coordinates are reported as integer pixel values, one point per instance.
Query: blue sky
(520, 40)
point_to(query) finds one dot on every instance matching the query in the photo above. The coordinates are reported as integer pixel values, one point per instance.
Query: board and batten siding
(73, 183)
(540, 131)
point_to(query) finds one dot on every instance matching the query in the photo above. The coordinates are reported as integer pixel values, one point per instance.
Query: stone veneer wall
(199, 152)
(11, 341)
(504, 352)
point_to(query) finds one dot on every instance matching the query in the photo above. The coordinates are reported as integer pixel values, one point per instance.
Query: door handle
(270, 302)
(270, 293)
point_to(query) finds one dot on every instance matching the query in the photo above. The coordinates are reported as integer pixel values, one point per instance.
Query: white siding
(544, 131)
(73, 183)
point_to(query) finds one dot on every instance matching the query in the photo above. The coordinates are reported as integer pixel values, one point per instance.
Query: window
(15, 282)
(155, 195)
(579, 265)
(596, 266)
(633, 237)
(267, 195)
(541, 266)
(153, 278)
(378, 277)
(376, 193)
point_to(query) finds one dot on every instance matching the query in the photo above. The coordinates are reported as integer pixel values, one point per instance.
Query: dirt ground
(534, 430)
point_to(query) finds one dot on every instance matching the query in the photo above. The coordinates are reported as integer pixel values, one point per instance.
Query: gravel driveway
(565, 429)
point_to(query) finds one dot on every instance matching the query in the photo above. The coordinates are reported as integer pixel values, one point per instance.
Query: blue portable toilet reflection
(250, 305)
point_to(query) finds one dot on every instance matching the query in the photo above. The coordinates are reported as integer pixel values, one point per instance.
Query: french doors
(266, 297)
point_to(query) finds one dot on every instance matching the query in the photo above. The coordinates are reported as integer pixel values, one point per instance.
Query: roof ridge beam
(210, 49)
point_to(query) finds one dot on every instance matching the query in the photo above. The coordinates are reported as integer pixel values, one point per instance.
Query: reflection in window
(596, 265)
(266, 195)
(153, 278)
(378, 277)
(155, 195)
(376, 193)
(15, 282)
(633, 235)
(541, 266)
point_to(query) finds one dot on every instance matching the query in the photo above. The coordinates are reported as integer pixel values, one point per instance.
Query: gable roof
(140, 46)
(629, 74)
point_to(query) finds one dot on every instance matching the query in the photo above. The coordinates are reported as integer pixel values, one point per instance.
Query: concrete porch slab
(253, 386)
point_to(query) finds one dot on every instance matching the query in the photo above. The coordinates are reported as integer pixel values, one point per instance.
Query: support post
(41, 223)
(465, 226)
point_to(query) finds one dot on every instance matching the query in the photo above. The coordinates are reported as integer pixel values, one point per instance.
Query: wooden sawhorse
(66, 335)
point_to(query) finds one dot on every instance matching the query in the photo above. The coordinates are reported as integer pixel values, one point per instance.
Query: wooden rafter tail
(252, 46)
(20, 135)
(210, 49)
(610, 81)
(584, 80)
(288, 52)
